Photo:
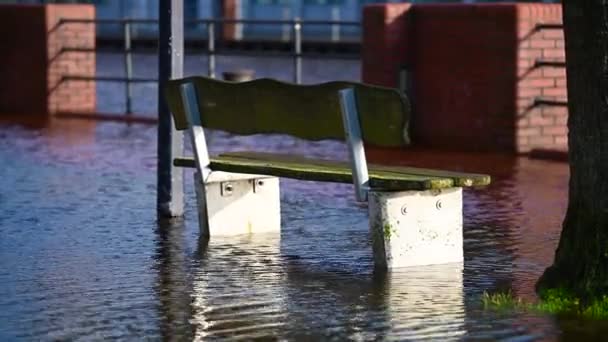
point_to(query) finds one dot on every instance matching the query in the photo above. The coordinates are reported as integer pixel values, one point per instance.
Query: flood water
(83, 257)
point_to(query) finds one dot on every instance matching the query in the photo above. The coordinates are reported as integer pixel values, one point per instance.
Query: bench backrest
(310, 112)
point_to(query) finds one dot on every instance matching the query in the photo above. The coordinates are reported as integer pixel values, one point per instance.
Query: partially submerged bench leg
(228, 203)
(233, 204)
(412, 228)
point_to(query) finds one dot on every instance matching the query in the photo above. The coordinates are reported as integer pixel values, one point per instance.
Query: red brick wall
(33, 64)
(23, 57)
(540, 127)
(474, 80)
(229, 11)
(64, 95)
(385, 42)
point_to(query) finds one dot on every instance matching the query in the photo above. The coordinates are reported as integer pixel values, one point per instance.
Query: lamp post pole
(170, 187)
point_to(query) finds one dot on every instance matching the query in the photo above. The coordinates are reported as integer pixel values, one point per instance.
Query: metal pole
(170, 188)
(128, 65)
(211, 48)
(297, 59)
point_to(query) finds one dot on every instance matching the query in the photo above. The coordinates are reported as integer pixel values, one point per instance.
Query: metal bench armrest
(195, 130)
(354, 139)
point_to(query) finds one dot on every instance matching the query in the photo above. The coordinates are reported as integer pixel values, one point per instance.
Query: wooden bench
(415, 214)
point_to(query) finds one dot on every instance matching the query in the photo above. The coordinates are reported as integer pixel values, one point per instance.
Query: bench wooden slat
(337, 173)
(381, 177)
(310, 112)
(462, 179)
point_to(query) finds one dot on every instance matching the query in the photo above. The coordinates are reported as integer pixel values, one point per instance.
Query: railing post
(335, 26)
(128, 65)
(297, 41)
(211, 48)
(285, 27)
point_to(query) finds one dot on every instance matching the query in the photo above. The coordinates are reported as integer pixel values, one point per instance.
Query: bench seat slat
(380, 176)
(339, 173)
(462, 179)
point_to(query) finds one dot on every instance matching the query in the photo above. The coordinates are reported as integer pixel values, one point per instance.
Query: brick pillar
(231, 10)
(70, 95)
(33, 61)
(385, 42)
(23, 61)
(474, 72)
(540, 127)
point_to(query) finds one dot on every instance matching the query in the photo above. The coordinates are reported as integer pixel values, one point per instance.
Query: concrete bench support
(235, 203)
(411, 228)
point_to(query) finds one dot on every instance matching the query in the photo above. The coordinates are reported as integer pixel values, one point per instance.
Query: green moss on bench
(461, 179)
(380, 177)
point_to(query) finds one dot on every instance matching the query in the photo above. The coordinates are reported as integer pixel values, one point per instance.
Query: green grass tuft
(598, 309)
(501, 301)
(553, 301)
(558, 301)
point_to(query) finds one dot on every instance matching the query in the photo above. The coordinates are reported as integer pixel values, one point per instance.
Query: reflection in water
(426, 302)
(237, 288)
(412, 303)
(174, 283)
(536, 223)
(243, 288)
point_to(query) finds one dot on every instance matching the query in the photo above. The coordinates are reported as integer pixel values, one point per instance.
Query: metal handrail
(127, 50)
(110, 79)
(221, 52)
(214, 21)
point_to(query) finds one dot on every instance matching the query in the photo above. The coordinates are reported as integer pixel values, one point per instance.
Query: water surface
(82, 255)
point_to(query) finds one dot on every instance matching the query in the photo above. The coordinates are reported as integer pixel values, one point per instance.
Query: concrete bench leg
(413, 228)
(233, 204)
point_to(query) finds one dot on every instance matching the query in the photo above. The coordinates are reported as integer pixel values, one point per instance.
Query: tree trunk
(581, 259)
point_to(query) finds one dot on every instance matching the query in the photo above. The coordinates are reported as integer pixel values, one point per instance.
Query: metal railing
(211, 51)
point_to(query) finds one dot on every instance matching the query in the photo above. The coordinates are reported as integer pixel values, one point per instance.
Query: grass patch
(554, 301)
(501, 301)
